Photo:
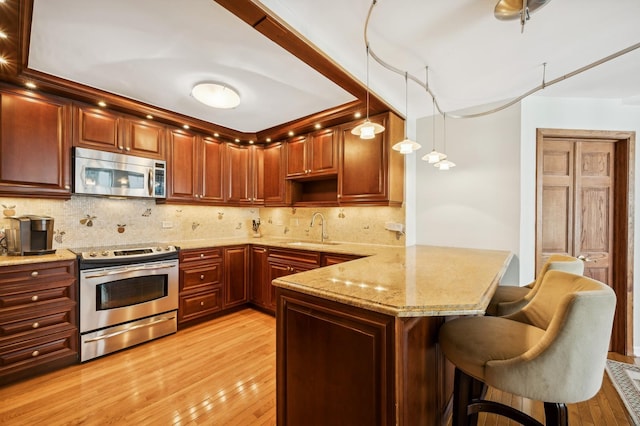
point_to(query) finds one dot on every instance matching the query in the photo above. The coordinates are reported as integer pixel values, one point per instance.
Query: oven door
(119, 294)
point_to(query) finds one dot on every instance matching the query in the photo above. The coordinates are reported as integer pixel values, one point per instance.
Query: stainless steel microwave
(118, 175)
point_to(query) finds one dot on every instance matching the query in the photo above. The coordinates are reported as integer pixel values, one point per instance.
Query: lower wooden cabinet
(236, 280)
(283, 262)
(260, 294)
(38, 319)
(200, 283)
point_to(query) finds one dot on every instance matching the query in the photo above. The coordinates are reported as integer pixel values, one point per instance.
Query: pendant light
(406, 146)
(434, 156)
(367, 129)
(445, 164)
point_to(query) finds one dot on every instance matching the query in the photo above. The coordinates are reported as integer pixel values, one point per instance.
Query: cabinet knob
(34, 274)
(34, 298)
(127, 149)
(35, 325)
(202, 277)
(35, 353)
(120, 147)
(201, 303)
(67, 187)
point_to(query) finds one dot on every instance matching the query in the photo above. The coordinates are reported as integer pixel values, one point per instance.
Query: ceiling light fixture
(30, 85)
(406, 146)
(216, 95)
(444, 164)
(367, 129)
(508, 10)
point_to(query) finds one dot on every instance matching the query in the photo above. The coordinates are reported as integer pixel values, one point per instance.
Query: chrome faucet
(324, 235)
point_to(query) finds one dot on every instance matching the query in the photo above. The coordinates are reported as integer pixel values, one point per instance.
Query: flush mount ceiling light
(367, 129)
(507, 10)
(216, 95)
(406, 146)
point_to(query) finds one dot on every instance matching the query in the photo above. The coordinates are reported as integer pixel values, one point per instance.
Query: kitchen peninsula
(357, 342)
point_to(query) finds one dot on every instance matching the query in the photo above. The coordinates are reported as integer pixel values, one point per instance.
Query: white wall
(477, 203)
(488, 201)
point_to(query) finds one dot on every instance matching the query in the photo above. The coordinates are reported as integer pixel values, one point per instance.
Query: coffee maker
(30, 235)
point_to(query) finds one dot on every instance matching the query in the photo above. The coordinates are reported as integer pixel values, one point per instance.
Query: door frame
(623, 223)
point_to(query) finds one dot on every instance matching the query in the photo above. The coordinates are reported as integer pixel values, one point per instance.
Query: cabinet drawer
(21, 325)
(200, 254)
(297, 256)
(36, 273)
(193, 278)
(38, 349)
(200, 304)
(26, 296)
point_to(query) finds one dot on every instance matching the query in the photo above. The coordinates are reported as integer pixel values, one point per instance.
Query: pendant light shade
(433, 157)
(367, 129)
(444, 165)
(406, 146)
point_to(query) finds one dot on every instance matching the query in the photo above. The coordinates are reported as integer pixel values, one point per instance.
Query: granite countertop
(60, 254)
(409, 281)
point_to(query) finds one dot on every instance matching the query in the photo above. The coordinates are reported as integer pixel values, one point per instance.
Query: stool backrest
(556, 262)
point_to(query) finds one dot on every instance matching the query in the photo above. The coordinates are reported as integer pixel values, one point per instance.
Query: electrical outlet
(394, 226)
(167, 224)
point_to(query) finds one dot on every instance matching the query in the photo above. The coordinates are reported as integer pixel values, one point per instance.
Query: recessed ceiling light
(3, 60)
(237, 140)
(216, 95)
(318, 125)
(30, 85)
(185, 126)
(357, 115)
(268, 139)
(149, 117)
(216, 135)
(291, 133)
(251, 142)
(102, 104)
(3, 34)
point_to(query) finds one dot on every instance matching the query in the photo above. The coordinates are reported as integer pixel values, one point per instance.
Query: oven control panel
(126, 252)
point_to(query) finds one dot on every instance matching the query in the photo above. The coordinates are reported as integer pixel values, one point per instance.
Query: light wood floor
(218, 373)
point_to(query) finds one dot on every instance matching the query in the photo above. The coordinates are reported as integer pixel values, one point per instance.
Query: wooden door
(211, 169)
(235, 276)
(583, 188)
(145, 138)
(182, 183)
(257, 174)
(237, 174)
(297, 157)
(324, 153)
(276, 188)
(97, 128)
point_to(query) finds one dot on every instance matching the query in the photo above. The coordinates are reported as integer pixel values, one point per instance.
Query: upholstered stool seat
(553, 350)
(509, 299)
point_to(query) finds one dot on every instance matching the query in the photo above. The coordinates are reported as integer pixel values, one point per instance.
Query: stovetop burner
(126, 254)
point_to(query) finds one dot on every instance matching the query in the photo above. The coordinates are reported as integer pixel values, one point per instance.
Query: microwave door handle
(150, 182)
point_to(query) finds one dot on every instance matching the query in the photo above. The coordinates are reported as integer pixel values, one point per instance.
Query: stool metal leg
(556, 414)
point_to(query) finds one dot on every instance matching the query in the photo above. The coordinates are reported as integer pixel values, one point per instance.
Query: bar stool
(508, 299)
(553, 350)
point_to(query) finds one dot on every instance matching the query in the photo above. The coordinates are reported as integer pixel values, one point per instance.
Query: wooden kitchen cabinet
(283, 262)
(38, 318)
(35, 145)
(195, 168)
(313, 155)
(236, 262)
(99, 128)
(260, 288)
(244, 174)
(277, 189)
(370, 171)
(328, 259)
(201, 284)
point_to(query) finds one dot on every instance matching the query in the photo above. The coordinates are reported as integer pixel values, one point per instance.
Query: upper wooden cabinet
(277, 190)
(106, 130)
(312, 155)
(370, 171)
(244, 174)
(195, 168)
(35, 145)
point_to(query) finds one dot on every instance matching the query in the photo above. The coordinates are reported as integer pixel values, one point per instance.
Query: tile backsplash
(86, 221)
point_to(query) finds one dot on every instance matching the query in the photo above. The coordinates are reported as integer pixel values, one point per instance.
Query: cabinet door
(182, 166)
(35, 145)
(144, 138)
(260, 292)
(211, 170)
(97, 128)
(370, 172)
(277, 190)
(257, 175)
(323, 158)
(235, 276)
(297, 157)
(237, 174)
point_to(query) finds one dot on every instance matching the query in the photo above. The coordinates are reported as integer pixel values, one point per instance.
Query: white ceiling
(155, 50)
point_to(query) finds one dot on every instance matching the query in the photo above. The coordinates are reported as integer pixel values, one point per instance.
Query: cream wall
(146, 222)
(489, 199)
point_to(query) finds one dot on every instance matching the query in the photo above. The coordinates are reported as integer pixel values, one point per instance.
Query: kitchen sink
(311, 244)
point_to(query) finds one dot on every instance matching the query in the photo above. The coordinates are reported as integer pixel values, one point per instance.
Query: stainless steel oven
(127, 296)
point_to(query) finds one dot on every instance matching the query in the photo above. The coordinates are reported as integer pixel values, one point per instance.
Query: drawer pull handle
(34, 298)
(202, 277)
(35, 353)
(36, 325)
(34, 274)
(201, 303)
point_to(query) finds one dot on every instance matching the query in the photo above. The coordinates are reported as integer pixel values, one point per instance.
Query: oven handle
(135, 327)
(127, 270)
